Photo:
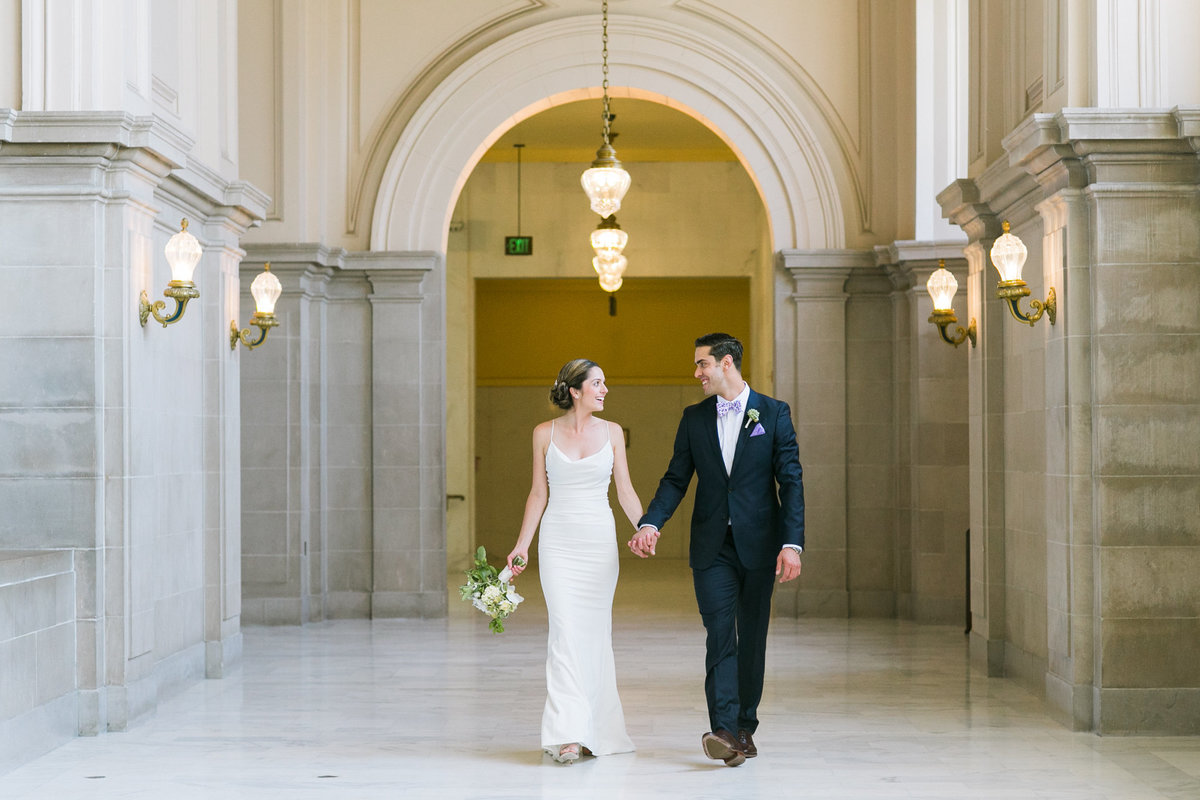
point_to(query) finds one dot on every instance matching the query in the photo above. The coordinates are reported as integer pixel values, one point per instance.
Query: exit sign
(518, 245)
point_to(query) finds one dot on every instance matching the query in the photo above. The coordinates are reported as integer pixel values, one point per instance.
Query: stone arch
(766, 123)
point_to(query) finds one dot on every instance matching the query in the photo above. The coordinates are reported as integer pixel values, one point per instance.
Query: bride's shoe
(568, 753)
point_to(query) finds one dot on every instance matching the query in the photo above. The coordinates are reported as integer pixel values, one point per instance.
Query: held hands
(518, 560)
(787, 566)
(644, 541)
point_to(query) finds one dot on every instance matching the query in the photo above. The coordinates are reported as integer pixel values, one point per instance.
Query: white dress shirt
(729, 428)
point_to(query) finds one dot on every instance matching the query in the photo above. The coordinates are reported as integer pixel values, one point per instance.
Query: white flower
(491, 592)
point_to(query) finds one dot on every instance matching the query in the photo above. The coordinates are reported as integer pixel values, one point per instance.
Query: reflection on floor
(442, 709)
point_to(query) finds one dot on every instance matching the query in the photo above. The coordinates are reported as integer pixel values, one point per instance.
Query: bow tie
(728, 407)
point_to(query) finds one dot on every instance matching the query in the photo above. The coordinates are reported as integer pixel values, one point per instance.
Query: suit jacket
(762, 497)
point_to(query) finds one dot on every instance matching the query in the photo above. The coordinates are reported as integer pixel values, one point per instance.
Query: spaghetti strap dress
(577, 554)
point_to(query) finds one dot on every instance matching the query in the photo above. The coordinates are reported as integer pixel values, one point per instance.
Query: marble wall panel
(1163, 712)
(45, 233)
(1154, 297)
(38, 652)
(69, 290)
(47, 512)
(1143, 228)
(1157, 439)
(1150, 582)
(1149, 511)
(1150, 653)
(44, 372)
(1133, 369)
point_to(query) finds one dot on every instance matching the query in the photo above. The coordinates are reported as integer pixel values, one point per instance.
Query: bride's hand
(518, 560)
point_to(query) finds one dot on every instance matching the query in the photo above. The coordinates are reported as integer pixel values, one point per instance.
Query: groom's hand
(644, 541)
(787, 566)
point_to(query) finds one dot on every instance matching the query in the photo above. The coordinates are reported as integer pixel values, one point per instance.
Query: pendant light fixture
(606, 181)
(608, 240)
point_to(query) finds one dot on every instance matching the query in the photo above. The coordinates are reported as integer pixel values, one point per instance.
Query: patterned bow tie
(728, 407)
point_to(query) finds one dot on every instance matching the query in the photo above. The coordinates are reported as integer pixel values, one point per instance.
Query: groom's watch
(795, 547)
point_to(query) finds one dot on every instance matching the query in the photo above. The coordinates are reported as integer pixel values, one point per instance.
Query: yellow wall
(527, 329)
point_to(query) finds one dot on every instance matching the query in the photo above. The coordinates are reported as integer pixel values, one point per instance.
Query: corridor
(441, 709)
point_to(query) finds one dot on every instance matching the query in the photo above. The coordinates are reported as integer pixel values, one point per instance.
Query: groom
(747, 528)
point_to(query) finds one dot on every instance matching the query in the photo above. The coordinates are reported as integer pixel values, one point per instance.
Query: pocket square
(758, 430)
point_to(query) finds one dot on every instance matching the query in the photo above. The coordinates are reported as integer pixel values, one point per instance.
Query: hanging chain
(604, 63)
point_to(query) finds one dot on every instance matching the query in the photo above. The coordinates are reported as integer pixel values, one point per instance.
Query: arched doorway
(776, 131)
(701, 260)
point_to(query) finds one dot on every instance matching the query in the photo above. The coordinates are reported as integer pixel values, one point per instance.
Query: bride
(573, 459)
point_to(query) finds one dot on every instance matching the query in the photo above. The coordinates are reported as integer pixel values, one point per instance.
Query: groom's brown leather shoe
(723, 746)
(747, 742)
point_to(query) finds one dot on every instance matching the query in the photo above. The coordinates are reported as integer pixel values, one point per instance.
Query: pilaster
(407, 423)
(817, 394)
(934, 476)
(962, 202)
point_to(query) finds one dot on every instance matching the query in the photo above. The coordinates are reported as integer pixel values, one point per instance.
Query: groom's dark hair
(721, 345)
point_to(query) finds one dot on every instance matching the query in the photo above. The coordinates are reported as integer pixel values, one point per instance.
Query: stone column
(812, 335)
(407, 424)
(985, 418)
(934, 430)
(871, 483)
(1070, 495)
(222, 449)
(277, 446)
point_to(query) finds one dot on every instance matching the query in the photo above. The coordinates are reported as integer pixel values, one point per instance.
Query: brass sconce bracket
(1013, 291)
(264, 322)
(944, 319)
(179, 291)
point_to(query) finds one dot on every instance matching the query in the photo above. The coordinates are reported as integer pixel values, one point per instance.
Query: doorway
(699, 252)
(526, 329)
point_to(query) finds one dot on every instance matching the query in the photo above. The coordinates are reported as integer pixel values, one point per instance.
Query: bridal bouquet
(490, 591)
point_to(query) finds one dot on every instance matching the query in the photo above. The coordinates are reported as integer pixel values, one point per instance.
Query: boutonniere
(751, 416)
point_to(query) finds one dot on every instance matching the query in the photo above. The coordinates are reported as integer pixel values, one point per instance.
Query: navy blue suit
(740, 522)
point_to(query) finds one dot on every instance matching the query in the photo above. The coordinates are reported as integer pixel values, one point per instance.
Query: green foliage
(490, 590)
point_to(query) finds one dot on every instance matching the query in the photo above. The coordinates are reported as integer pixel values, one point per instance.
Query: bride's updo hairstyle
(571, 376)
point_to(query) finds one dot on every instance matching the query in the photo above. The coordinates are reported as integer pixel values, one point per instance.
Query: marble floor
(441, 709)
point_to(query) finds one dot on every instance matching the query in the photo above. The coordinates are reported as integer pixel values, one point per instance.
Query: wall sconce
(266, 290)
(183, 253)
(941, 287)
(1008, 254)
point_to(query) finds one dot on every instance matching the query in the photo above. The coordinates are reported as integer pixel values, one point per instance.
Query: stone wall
(1083, 433)
(118, 443)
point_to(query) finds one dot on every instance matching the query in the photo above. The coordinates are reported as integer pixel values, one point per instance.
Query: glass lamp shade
(266, 289)
(609, 241)
(1009, 254)
(942, 287)
(605, 187)
(610, 283)
(610, 266)
(183, 253)
(605, 182)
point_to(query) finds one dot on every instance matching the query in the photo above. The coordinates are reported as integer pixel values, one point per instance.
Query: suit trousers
(735, 605)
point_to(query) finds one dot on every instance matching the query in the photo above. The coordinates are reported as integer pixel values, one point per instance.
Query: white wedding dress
(577, 554)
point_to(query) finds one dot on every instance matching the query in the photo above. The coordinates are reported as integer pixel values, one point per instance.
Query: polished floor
(444, 710)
